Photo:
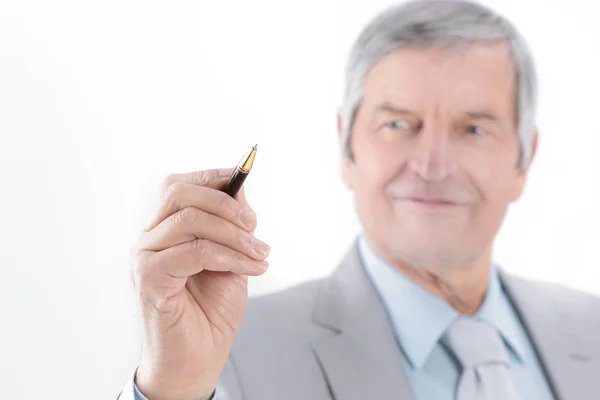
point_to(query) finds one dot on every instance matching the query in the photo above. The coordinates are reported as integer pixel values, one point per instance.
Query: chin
(426, 253)
(428, 237)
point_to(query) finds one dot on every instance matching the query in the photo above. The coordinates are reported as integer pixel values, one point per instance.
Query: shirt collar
(420, 318)
(497, 311)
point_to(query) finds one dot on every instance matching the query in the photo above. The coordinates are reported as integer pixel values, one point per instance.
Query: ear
(522, 173)
(347, 165)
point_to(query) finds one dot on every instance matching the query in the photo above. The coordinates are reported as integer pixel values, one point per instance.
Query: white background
(100, 100)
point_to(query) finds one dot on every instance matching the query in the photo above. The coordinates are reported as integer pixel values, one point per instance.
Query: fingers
(176, 195)
(196, 227)
(192, 223)
(241, 197)
(166, 271)
(180, 195)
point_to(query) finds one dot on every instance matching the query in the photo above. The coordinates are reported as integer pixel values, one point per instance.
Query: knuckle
(140, 270)
(173, 192)
(188, 215)
(200, 177)
(162, 305)
(201, 247)
(169, 180)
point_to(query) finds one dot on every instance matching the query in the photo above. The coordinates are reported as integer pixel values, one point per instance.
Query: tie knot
(475, 343)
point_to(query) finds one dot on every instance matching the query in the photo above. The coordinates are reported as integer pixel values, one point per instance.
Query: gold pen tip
(245, 163)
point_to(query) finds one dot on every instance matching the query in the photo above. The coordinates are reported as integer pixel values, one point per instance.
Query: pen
(241, 171)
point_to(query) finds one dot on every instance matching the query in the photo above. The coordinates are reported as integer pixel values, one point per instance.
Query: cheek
(376, 168)
(378, 161)
(495, 186)
(373, 172)
(370, 189)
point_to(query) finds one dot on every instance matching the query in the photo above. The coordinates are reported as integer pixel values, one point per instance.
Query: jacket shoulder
(580, 306)
(282, 315)
(560, 293)
(272, 353)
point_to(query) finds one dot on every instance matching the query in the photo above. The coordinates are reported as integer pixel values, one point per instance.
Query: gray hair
(439, 23)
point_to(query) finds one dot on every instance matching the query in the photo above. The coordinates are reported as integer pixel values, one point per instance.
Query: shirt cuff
(131, 391)
(137, 395)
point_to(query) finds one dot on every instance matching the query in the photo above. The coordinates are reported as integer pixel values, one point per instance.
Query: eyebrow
(482, 115)
(477, 114)
(389, 107)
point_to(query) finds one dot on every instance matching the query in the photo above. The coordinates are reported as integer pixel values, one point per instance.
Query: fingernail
(261, 248)
(248, 218)
(264, 265)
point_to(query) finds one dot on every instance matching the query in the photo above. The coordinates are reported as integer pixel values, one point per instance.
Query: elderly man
(437, 131)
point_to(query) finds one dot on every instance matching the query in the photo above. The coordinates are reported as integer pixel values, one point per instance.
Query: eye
(398, 124)
(475, 130)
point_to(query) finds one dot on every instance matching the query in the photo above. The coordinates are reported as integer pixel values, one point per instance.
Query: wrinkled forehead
(475, 74)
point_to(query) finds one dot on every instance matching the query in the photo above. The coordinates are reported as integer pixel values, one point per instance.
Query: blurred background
(99, 101)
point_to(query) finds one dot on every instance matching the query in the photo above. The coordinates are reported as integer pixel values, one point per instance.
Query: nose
(432, 158)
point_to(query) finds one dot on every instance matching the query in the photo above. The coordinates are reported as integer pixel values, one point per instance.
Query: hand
(190, 275)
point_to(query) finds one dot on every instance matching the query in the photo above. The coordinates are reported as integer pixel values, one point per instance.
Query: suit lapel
(570, 369)
(360, 358)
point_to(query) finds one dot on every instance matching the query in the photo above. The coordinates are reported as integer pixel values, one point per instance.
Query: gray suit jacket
(331, 339)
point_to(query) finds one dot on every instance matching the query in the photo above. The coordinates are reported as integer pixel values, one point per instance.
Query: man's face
(435, 148)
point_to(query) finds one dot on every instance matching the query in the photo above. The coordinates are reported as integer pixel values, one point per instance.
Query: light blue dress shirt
(138, 395)
(420, 318)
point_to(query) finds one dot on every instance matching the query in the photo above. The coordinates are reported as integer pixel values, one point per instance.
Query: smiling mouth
(432, 204)
(432, 201)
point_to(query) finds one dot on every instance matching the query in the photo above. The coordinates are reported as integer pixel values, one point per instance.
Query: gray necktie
(481, 352)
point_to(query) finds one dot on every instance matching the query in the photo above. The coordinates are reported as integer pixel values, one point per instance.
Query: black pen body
(235, 182)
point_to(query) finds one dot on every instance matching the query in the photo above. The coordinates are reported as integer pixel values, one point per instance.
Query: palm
(211, 306)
